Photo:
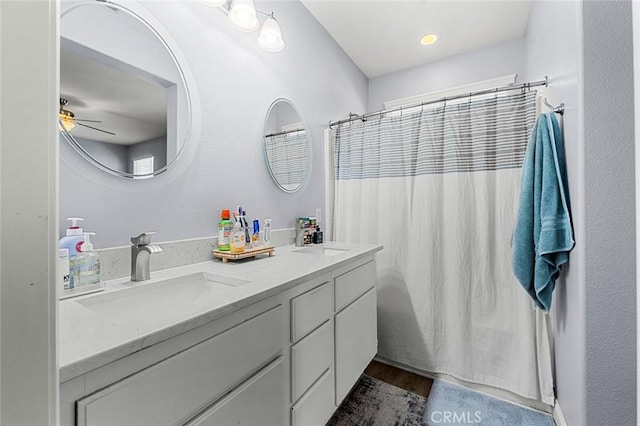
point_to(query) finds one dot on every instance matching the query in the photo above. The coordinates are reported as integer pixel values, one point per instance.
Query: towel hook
(558, 110)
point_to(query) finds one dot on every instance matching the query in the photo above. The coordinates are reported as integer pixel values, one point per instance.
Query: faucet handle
(142, 239)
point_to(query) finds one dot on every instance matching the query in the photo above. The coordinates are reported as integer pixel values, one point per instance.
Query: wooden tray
(227, 255)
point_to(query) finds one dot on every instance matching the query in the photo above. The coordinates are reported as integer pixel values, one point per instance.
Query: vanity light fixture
(244, 15)
(270, 37)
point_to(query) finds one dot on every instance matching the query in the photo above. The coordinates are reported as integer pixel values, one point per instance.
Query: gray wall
(585, 48)
(609, 214)
(553, 45)
(495, 61)
(156, 147)
(236, 83)
(112, 155)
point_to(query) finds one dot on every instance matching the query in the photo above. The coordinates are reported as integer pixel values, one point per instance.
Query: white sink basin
(160, 299)
(321, 250)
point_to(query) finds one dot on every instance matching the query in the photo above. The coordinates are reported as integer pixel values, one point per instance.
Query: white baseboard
(558, 415)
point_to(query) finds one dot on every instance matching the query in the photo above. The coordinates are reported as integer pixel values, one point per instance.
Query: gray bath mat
(376, 403)
(455, 405)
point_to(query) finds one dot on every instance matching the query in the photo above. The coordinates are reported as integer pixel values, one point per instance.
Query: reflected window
(142, 166)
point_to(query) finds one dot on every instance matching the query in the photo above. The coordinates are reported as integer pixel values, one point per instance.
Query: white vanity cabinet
(356, 339)
(334, 336)
(221, 370)
(312, 338)
(289, 359)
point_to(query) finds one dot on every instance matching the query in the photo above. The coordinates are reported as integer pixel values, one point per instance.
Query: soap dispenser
(72, 242)
(88, 264)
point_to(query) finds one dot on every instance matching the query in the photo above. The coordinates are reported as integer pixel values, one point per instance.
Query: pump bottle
(87, 264)
(72, 242)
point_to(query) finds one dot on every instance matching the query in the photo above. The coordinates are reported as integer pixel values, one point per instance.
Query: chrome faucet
(141, 251)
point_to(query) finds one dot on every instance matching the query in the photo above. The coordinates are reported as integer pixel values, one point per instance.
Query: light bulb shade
(243, 15)
(270, 38)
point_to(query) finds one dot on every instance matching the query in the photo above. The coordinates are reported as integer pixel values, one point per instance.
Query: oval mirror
(124, 102)
(287, 146)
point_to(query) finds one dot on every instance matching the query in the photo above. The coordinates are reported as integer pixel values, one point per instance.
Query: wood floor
(400, 378)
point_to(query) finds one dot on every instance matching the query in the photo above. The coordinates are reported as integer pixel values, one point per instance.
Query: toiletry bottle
(88, 264)
(72, 242)
(247, 233)
(237, 239)
(224, 231)
(267, 233)
(255, 237)
(63, 271)
(317, 236)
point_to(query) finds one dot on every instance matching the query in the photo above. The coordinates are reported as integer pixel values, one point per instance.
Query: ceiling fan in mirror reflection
(68, 119)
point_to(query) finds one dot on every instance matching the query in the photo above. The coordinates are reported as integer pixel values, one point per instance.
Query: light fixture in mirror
(287, 146)
(124, 98)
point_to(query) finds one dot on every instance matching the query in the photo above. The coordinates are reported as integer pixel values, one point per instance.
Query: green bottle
(224, 231)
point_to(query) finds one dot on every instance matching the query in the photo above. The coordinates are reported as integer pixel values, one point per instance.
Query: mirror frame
(188, 96)
(307, 173)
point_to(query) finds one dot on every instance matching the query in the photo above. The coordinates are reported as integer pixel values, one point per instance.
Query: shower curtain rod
(363, 117)
(284, 132)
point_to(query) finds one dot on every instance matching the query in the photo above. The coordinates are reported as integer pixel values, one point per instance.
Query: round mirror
(287, 146)
(124, 102)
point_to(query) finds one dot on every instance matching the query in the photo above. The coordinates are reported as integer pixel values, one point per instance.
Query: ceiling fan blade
(87, 121)
(94, 128)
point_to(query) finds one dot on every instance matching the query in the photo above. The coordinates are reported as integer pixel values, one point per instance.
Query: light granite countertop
(89, 339)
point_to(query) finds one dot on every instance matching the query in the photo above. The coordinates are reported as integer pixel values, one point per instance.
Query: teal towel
(543, 235)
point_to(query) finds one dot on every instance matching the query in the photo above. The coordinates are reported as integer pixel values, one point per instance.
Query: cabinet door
(260, 401)
(356, 341)
(310, 358)
(179, 387)
(354, 284)
(316, 405)
(310, 309)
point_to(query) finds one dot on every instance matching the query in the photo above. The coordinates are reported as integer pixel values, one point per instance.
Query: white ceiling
(383, 36)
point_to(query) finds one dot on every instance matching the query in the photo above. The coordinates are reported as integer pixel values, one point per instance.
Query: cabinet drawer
(354, 283)
(356, 342)
(310, 309)
(260, 401)
(311, 357)
(178, 387)
(316, 406)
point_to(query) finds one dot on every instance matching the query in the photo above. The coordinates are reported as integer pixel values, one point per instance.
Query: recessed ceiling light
(429, 39)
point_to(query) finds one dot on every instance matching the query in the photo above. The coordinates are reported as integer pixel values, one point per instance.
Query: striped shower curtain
(439, 188)
(287, 156)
